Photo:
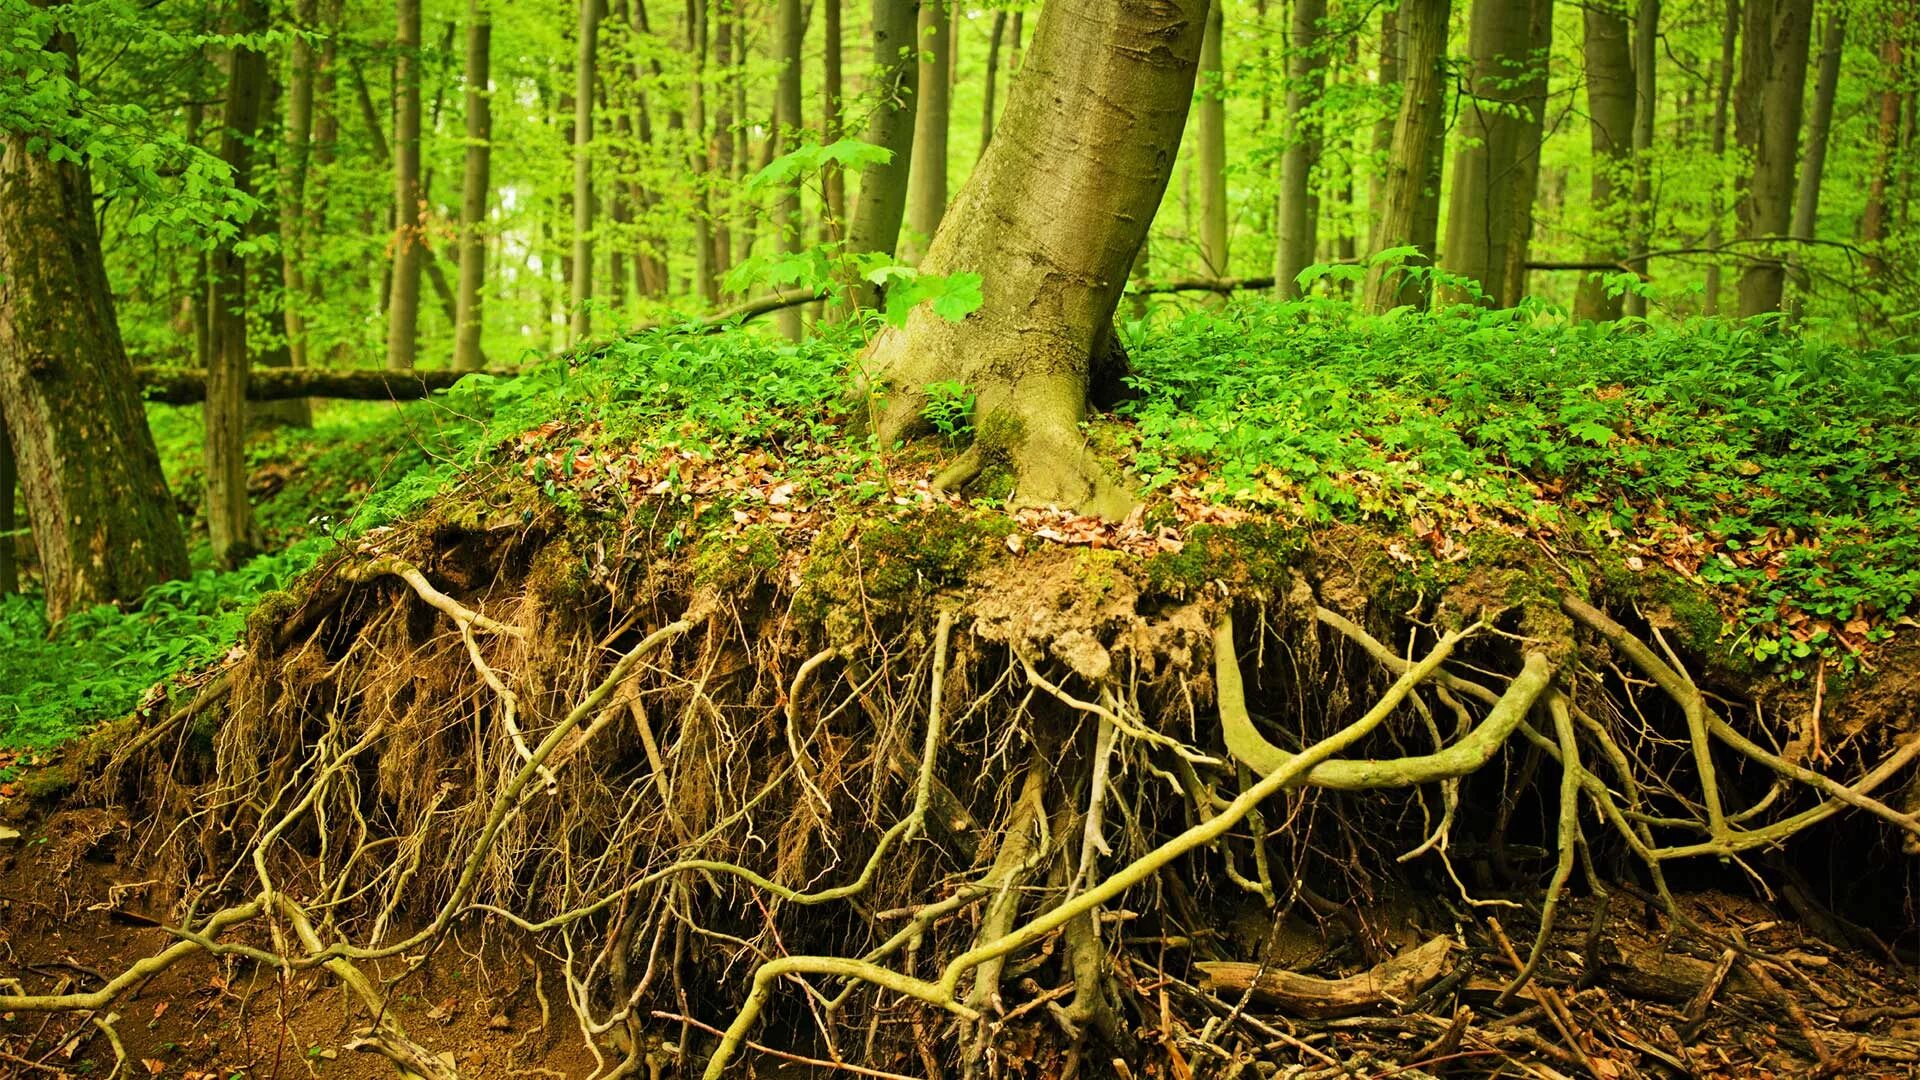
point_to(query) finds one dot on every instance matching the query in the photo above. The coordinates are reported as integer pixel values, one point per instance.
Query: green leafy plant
(949, 409)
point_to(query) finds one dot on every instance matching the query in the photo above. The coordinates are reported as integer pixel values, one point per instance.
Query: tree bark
(1873, 223)
(9, 520)
(1388, 79)
(1813, 162)
(1611, 107)
(786, 123)
(1408, 206)
(295, 155)
(403, 298)
(705, 269)
(1646, 102)
(720, 144)
(1526, 170)
(1717, 142)
(476, 185)
(1211, 150)
(882, 199)
(103, 520)
(927, 188)
(1773, 77)
(586, 47)
(1299, 207)
(833, 182)
(229, 517)
(1494, 170)
(1052, 218)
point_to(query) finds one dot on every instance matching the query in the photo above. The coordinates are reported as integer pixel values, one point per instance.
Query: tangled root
(962, 797)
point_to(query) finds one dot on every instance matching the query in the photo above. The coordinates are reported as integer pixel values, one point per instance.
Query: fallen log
(1394, 981)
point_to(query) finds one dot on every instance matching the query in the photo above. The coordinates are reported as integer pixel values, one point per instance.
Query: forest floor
(413, 683)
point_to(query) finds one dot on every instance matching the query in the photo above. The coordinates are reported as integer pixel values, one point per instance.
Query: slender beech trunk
(1495, 165)
(586, 47)
(786, 123)
(993, 79)
(1612, 104)
(1526, 170)
(475, 186)
(1054, 269)
(294, 158)
(720, 144)
(1408, 209)
(882, 200)
(9, 520)
(1388, 80)
(1646, 40)
(103, 520)
(1299, 206)
(229, 518)
(1873, 223)
(1211, 130)
(833, 182)
(705, 273)
(1773, 78)
(927, 188)
(409, 245)
(1813, 162)
(324, 145)
(1717, 143)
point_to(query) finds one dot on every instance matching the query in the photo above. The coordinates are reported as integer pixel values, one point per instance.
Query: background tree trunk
(1773, 79)
(1408, 207)
(706, 271)
(1532, 78)
(475, 187)
(1611, 106)
(409, 247)
(229, 517)
(882, 200)
(993, 79)
(1053, 268)
(9, 520)
(1722, 98)
(1299, 207)
(103, 520)
(1646, 104)
(1813, 162)
(720, 144)
(786, 126)
(295, 154)
(586, 47)
(1873, 223)
(927, 189)
(1491, 168)
(1212, 149)
(833, 182)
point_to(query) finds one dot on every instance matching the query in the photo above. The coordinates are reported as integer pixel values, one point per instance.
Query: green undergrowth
(1780, 472)
(1774, 475)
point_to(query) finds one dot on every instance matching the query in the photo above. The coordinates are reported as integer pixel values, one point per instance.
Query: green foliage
(949, 409)
(1777, 468)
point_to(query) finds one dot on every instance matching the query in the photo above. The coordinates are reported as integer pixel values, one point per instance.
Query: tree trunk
(1813, 163)
(1212, 149)
(1494, 165)
(295, 155)
(1773, 78)
(103, 520)
(1299, 208)
(927, 189)
(882, 200)
(1646, 31)
(586, 45)
(720, 145)
(993, 79)
(1526, 169)
(409, 246)
(1611, 108)
(1873, 223)
(1408, 207)
(1388, 79)
(1054, 269)
(705, 274)
(475, 185)
(786, 123)
(229, 518)
(833, 182)
(1722, 96)
(9, 520)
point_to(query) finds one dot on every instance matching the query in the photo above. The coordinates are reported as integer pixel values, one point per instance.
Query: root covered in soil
(903, 799)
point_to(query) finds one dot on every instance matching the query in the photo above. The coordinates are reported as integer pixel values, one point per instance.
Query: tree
(475, 186)
(1053, 269)
(1874, 222)
(927, 188)
(882, 199)
(1611, 104)
(706, 279)
(792, 32)
(585, 49)
(409, 247)
(993, 79)
(1212, 148)
(229, 516)
(1408, 207)
(1722, 96)
(103, 520)
(9, 521)
(1299, 208)
(1646, 102)
(1773, 79)
(297, 139)
(1813, 166)
(1490, 206)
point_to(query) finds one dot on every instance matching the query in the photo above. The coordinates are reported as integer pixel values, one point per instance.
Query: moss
(1255, 555)
(886, 564)
(733, 562)
(47, 784)
(269, 613)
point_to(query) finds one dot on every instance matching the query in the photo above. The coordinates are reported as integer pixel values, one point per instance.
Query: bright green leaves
(810, 159)
(953, 296)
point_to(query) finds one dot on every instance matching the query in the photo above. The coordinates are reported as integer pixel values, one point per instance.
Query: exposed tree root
(655, 809)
